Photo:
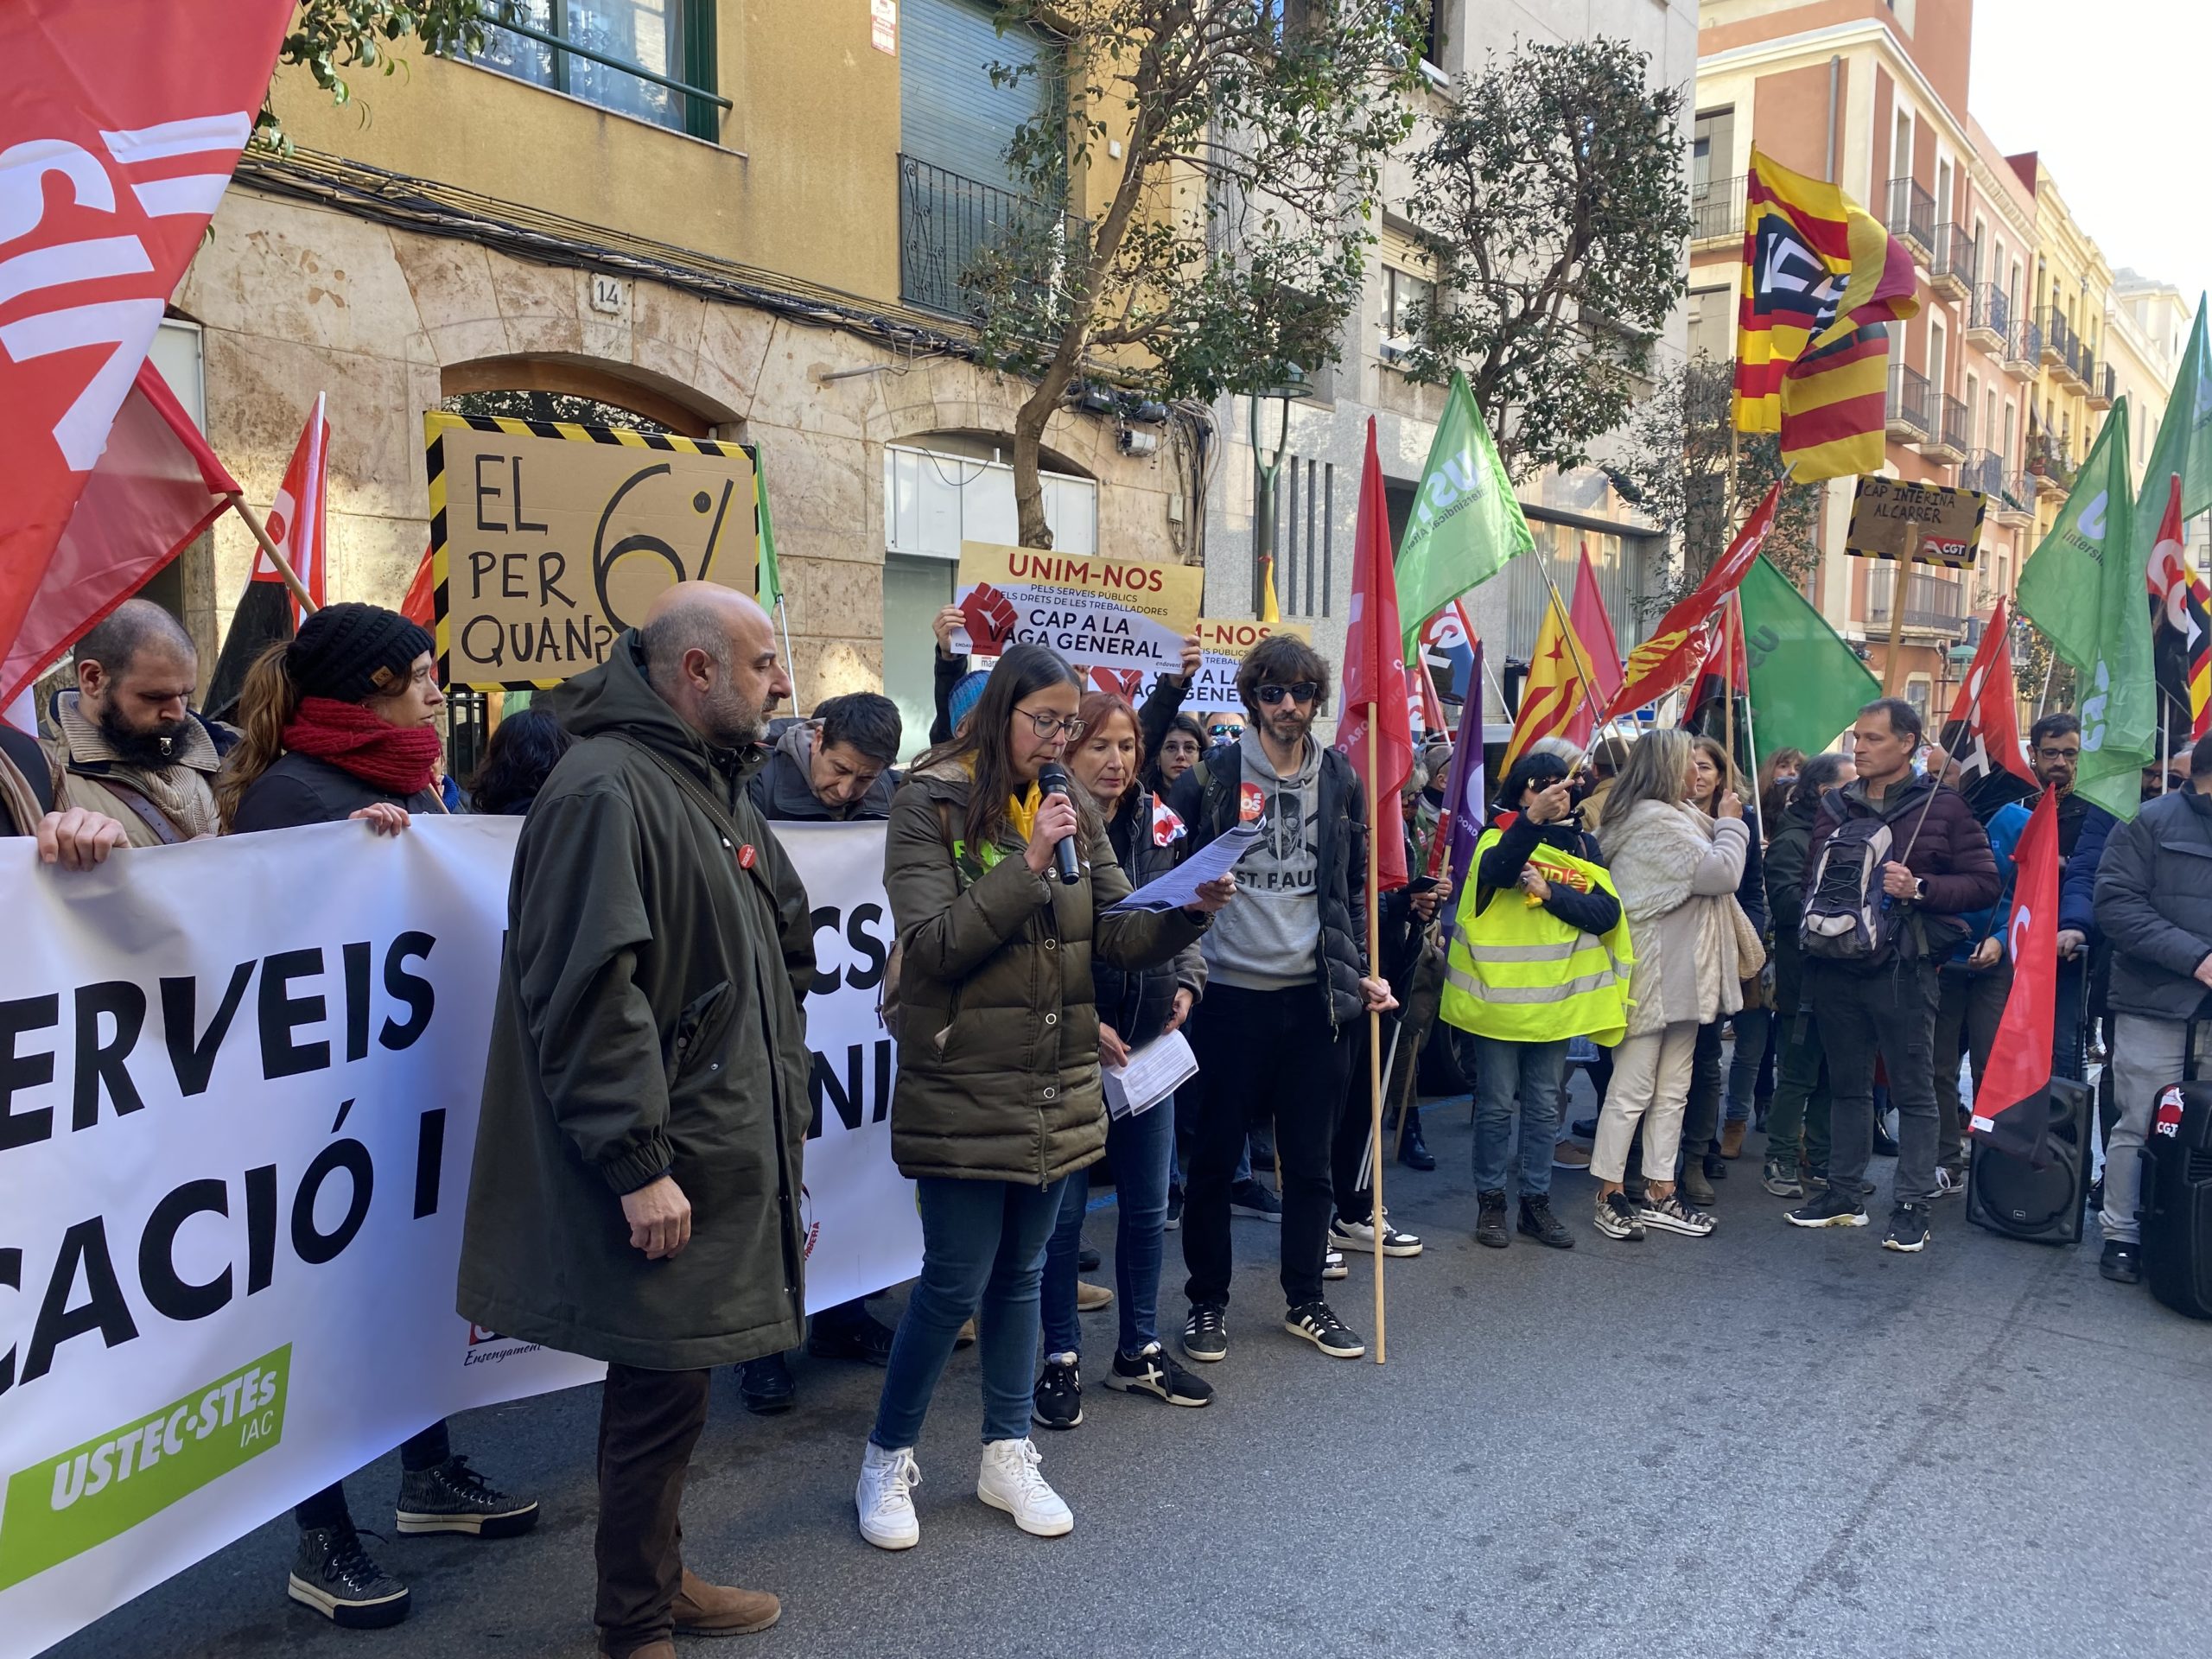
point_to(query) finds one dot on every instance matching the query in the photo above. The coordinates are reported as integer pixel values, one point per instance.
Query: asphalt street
(1767, 1442)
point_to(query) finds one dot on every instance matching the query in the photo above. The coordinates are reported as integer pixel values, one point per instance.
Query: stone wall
(295, 299)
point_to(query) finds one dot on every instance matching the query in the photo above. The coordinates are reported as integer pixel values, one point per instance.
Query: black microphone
(1053, 778)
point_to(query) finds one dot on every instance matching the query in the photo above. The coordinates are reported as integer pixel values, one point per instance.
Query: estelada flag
(1553, 698)
(157, 485)
(121, 121)
(1986, 715)
(1820, 274)
(2181, 646)
(299, 523)
(1724, 673)
(1375, 670)
(1668, 659)
(2010, 1108)
(1593, 636)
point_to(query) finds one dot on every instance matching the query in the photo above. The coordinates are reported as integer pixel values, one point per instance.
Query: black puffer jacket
(2154, 903)
(1137, 1002)
(1206, 797)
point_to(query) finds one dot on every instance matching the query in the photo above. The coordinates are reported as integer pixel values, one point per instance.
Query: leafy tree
(331, 38)
(1553, 198)
(1681, 466)
(1233, 238)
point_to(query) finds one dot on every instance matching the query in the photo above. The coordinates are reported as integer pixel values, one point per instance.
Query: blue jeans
(1530, 1075)
(982, 1253)
(1754, 1028)
(1139, 1149)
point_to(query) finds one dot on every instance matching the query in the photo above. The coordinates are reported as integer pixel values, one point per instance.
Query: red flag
(1375, 670)
(157, 486)
(1593, 637)
(1166, 828)
(419, 606)
(1665, 661)
(121, 121)
(299, 520)
(1725, 672)
(2009, 1108)
(1990, 710)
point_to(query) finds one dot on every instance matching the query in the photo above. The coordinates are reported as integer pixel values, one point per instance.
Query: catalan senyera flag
(1820, 277)
(1554, 700)
(1671, 656)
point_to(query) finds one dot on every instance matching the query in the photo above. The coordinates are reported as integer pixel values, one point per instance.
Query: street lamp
(1286, 391)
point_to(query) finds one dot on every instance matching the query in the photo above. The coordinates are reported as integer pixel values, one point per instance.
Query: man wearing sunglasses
(1286, 973)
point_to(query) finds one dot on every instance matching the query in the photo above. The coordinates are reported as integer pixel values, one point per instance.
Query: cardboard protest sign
(549, 538)
(1120, 613)
(1923, 524)
(1223, 641)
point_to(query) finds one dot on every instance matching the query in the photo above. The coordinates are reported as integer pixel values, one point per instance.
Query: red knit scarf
(399, 760)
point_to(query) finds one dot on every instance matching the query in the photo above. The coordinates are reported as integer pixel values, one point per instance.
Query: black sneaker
(1154, 1373)
(1058, 1401)
(1087, 1260)
(331, 1573)
(857, 1336)
(1318, 1325)
(450, 1497)
(1332, 1265)
(1248, 1199)
(1833, 1208)
(1584, 1128)
(1206, 1333)
(2122, 1262)
(1489, 1221)
(1540, 1224)
(1908, 1228)
(1174, 1210)
(765, 1385)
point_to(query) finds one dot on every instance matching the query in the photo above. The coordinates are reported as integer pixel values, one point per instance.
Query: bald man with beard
(635, 1192)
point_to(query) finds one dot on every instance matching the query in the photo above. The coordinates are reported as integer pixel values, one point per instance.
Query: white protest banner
(1224, 643)
(1115, 614)
(238, 1089)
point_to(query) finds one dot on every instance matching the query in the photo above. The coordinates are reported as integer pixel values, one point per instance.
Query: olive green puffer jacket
(998, 1031)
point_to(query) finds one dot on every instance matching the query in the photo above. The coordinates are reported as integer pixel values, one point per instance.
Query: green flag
(2083, 588)
(2184, 446)
(1807, 684)
(1466, 523)
(768, 582)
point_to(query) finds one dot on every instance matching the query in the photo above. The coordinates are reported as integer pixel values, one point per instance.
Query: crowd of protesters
(1800, 961)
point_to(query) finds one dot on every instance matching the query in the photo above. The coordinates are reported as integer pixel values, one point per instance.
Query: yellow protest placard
(549, 538)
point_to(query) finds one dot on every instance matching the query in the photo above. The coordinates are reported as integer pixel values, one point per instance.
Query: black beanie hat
(353, 652)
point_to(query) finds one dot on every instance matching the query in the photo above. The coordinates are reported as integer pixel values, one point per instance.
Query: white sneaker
(1360, 1235)
(1010, 1481)
(887, 1510)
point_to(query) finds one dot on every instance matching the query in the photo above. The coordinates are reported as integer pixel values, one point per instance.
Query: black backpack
(1847, 916)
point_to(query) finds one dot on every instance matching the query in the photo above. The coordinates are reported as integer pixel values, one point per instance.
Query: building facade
(2076, 383)
(1321, 437)
(735, 221)
(1871, 95)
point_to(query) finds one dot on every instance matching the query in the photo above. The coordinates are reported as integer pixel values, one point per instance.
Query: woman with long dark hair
(998, 1099)
(524, 748)
(338, 724)
(1134, 1007)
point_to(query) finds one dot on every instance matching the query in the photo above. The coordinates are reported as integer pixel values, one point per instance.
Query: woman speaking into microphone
(1000, 878)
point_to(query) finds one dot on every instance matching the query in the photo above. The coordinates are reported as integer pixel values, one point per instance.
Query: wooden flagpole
(1374, 1017)
(308, 605)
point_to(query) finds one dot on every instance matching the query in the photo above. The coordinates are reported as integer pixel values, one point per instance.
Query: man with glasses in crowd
(1287, 972)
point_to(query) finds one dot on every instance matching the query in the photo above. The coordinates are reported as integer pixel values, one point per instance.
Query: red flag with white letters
(2010, 1110)
(1990, 710)
(120, 123)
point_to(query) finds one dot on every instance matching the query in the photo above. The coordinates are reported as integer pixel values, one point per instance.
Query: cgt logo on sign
(62, 1506)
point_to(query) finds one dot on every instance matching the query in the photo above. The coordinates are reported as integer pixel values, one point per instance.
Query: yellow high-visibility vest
(1517, 972)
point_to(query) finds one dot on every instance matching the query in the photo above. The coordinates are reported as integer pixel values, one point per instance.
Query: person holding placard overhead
(1135, 1006)
(1002, 885)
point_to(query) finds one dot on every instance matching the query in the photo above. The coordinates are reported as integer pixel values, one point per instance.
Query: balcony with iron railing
(1934, 600)
(1948, 424)
(2049, 467)
(1912, 217)
(2023, 348)
(1989, 322)
(2014, 506)
(1717, 209)
(2061, 350)
(2104, 385)
(945, 222)
(1957, 261)
(1982, 470)
(1908, 405)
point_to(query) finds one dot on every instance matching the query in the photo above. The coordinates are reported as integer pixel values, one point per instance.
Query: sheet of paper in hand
(1112, 613)
(1154, 1071)
(1179, 887)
